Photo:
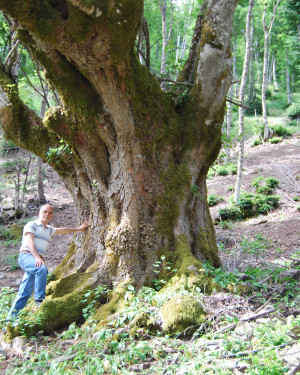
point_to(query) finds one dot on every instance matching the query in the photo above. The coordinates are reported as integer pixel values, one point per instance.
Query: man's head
(46, 214)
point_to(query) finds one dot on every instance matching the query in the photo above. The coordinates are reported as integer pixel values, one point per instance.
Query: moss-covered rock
(181, 312)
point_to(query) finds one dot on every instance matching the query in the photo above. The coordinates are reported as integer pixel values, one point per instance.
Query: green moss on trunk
(176, 180)
(66, 265)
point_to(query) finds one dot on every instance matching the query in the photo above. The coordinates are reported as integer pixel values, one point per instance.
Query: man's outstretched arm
(83, 227)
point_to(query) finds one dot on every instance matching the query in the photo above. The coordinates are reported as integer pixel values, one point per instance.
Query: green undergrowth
(121, 349)
(260, 202)
(222, 170)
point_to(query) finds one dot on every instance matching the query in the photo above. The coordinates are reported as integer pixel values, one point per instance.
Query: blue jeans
(34, 278)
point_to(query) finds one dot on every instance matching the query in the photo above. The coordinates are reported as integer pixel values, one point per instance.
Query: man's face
(46, 214)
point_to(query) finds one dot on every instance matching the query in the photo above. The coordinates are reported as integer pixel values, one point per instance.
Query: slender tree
(241, 99)
(166, 33)
(267, 32)
(288, 81)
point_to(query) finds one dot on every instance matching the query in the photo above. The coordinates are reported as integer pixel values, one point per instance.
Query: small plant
(6, 145)
(293, 123)
(225, 224)
(163, 271)
(265, 185)
(249, 205)
(230, 213)
(275, 140)
(255, 246)
(256, 142)
(220, 276)
(212, 199)
(90, 299)
(296, 199)
(293, 111)
(281, 131)
(12, 261)
(55, 154)
(226, 169)
(195, 190)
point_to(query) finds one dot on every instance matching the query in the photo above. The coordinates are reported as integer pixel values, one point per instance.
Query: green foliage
(12, 261)
(275, 140)
(212, 199)
(255, 246)
(265, 185)
(250, 205)
(91, 297)
(281, 131)
(293, 111)
(223, 170)
(55, 154)
(256, 142)
(7, 296)
(230, 213)
(220, 276)
(6, 145)
(195, 190)
(163, 271)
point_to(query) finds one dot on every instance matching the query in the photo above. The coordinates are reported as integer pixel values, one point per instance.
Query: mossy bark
(136, 163)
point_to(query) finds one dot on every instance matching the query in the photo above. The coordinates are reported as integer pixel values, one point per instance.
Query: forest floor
(278, 242)
(281, 227)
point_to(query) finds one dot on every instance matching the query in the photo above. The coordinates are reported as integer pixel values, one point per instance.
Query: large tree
(134, 159)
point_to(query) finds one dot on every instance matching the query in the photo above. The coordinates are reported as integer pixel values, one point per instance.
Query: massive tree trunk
(129, 156)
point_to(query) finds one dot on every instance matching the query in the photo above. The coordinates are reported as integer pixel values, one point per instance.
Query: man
(36, 236)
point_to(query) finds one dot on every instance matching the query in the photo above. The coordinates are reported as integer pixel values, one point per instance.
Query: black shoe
(38, 303)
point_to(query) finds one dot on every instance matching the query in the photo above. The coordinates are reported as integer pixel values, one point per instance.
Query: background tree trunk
(267, 32)
(228, 124)
(288, 86)
(241, 99)
(166, 34)
(274, 73)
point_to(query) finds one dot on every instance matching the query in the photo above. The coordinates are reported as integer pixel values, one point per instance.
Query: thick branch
(188, 73)
(214, 64)
(22, 125)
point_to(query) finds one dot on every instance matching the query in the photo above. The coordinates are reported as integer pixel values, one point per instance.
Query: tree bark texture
(130, 157)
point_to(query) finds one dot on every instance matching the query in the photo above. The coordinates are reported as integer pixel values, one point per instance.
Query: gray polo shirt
(42, 235)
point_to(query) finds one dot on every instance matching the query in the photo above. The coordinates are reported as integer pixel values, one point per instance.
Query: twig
(245, 354)
(227, 328)
(235, 102)
(274, 290)
(263, 306)
(258, 315)
(162, 79)
(11, 52)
